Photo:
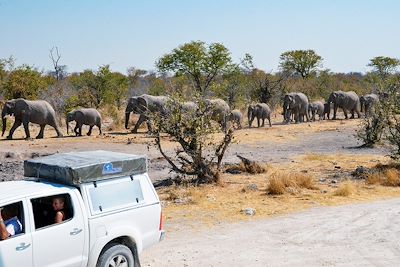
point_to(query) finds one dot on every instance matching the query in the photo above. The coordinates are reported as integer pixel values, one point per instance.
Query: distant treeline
(205, 69)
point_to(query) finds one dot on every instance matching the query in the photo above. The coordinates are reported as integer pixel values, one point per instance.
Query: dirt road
(352, 235)
(279, 144)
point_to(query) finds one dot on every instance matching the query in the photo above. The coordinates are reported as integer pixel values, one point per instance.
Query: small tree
(384, 122)
(302, 62)
(201, 144)
(384, 66)
(200, 62)
(24, 82)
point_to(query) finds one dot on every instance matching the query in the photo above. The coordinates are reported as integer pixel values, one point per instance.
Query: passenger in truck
(9, 222)
(58, 206)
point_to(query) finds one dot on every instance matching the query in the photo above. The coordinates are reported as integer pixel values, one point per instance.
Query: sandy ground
(356, 235)
(350, 235)
(279, 144)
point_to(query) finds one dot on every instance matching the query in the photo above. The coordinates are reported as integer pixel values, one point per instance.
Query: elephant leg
(297, 117)
(142, 118)
(99, 126)
(258, 122)
(269, 120)
(41, 132)
(263, 122)
(16, 124)
(352, 114)
(334, 112)
(345, 113)
(53, 124)
(76, 130)
(307, 117)
(80, 129)
(25, 123)
(90, 130)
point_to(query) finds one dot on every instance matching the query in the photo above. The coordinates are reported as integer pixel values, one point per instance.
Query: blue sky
(133, 33)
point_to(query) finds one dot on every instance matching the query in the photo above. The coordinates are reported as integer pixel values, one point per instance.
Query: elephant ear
(142, 104)
(9, 107)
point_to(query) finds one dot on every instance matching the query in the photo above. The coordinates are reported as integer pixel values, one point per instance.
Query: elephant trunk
(4, 121)
(127, 119)
(67, 122)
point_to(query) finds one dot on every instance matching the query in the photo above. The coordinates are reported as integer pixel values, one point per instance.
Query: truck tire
(116, 256)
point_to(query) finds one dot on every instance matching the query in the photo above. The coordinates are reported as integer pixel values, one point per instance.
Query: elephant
(327, 110)
(26, 111)
(84, 116)
(297, 104)
(143, 104)
(189, 106)
(315, 108)
(348, 101)
(219, 111)
(261, 111)
(367, 102)
(236, 117)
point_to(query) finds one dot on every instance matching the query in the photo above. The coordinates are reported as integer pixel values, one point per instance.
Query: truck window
(51, 210)
(12, 220)
(115, 194)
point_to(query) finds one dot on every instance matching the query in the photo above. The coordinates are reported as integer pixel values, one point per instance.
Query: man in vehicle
(9, 223)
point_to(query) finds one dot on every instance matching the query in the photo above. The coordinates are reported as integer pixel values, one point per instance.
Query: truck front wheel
(116, 256)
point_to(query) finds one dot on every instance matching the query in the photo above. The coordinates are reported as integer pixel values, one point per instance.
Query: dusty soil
(209, 215)
(277, 145)
(351, 235)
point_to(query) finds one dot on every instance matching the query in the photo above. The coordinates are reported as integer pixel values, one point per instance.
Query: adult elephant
(261, 111)
(26, 111)
(84, 116)
(297, 104)
(142, 105)
(367, 102)
(316, 108)
(219, 111)
(347, 101)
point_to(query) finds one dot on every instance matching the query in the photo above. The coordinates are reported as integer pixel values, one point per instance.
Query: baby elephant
(236, 117)
(315, 108)
(261, 111)
(87, 116)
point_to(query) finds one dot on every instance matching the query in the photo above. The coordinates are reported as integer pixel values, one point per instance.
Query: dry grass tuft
(388, 177)
(281, 182)
(345, 189)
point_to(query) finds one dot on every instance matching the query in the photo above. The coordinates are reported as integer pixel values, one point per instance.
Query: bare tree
(59, 70)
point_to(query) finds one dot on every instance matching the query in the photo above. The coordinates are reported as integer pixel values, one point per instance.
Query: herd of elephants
(296, 107)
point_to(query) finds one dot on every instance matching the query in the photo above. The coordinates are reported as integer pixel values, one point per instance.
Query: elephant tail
(4, 121)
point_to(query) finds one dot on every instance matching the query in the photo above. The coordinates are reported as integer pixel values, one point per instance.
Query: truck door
(58, 244)
(17, 250)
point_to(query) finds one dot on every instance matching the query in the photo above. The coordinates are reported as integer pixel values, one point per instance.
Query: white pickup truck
(110, 207)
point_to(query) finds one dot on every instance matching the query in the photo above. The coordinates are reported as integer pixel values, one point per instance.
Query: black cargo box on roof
(80, 167)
